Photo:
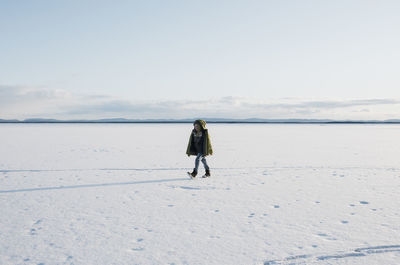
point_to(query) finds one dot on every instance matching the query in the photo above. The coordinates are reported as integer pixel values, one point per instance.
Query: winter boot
(194, 173)
(207, 175)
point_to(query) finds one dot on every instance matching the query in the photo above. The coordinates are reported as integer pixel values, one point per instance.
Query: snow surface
(278, 194)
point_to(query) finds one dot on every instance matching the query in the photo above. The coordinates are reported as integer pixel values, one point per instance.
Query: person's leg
(203, 159)
(197, 161)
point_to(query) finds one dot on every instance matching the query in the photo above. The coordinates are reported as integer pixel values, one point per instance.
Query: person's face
(197, 127)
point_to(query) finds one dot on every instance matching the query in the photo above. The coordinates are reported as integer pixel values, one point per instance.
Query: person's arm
(189, 144)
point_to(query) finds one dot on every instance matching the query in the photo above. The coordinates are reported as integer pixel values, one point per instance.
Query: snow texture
(278, 194)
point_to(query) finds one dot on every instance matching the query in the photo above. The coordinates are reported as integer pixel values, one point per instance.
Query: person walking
(200, 146)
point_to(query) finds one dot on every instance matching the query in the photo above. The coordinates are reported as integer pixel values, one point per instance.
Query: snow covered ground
(278, 194)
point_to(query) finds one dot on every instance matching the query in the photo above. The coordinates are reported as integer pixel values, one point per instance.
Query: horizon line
(208, 120)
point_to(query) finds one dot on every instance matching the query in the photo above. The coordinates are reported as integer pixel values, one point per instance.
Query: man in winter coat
(200, 146)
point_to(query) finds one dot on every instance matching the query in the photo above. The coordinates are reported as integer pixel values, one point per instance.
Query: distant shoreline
(222, 122)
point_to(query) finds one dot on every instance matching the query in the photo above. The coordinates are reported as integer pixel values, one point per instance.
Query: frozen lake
(278, 194)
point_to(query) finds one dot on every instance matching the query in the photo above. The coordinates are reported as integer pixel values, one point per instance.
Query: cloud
(326, 104)
(120, 106)
(17, 93)
(23, 102)
(19, 102)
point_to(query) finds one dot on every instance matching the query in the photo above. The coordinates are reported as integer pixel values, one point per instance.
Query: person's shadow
(95, 185)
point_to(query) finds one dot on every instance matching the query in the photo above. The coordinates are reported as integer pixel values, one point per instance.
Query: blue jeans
(203, 160)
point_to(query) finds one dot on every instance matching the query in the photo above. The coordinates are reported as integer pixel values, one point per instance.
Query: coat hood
(202, 124)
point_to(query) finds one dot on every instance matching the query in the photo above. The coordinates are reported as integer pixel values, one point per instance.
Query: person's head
(197, 125)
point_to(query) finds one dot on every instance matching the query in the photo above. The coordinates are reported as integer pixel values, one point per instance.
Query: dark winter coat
(203, 145)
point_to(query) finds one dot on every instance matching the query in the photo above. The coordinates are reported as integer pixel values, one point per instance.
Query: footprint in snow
(137, 249)
(34, 230)
(326, 236)
(189, 188)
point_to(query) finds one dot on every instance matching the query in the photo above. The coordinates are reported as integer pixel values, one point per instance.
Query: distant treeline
(210, 120)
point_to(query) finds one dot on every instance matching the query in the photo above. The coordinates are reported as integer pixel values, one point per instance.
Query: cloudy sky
(182, 59)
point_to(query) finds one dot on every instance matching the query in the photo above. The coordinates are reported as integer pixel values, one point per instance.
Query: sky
(182, 59)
